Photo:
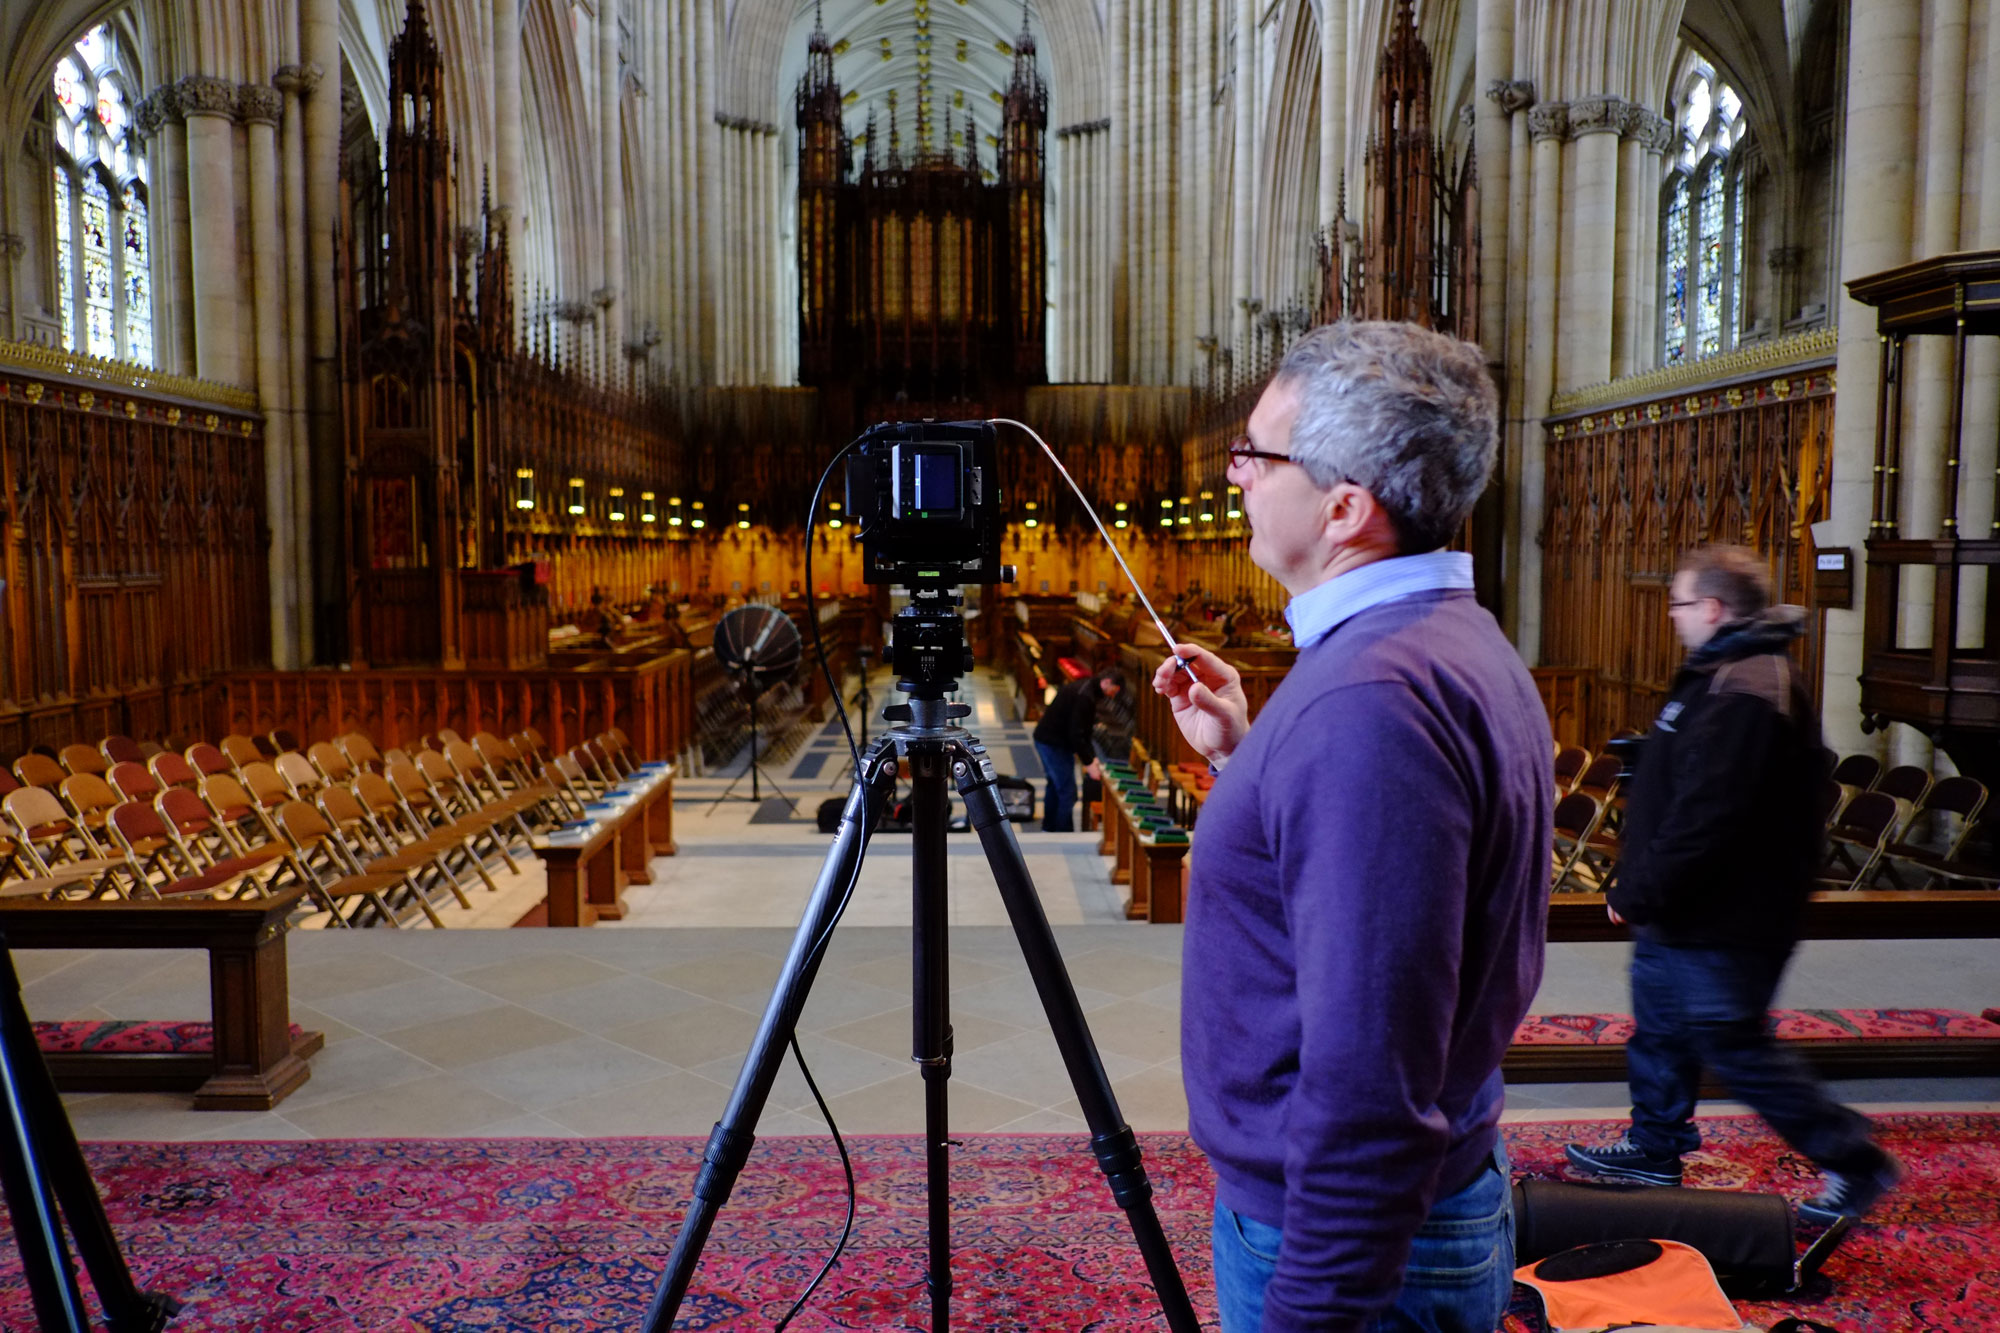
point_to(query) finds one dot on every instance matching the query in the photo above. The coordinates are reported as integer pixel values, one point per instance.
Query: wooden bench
(256, 1061)
(1890, 914)
(1150, 859)
(587, 877)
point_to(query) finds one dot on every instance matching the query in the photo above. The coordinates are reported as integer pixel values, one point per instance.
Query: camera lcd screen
(937, 481)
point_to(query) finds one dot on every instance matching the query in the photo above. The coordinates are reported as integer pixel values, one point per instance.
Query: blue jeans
(1459, 1278)
(1059, 801)
(1700, 1006)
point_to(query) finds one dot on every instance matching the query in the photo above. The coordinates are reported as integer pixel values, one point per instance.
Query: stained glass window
(104, 279)
(1675, 293)
(1702, 222)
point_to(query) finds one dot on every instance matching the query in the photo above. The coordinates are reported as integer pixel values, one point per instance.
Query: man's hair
(1110, 676)
(1408, 415)
(1736, 576)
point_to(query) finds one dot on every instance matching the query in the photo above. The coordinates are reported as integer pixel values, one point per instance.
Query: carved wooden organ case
(422, 369)
(922, 286)
(1420, 248)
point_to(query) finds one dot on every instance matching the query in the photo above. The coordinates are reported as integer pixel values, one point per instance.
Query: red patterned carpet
(522, 1234)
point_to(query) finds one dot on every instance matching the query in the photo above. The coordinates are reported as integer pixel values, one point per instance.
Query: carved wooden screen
(132, 564)
(1630, 489)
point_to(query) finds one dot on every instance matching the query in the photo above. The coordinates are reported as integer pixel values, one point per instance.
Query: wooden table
(256, 1062)
(587, 879)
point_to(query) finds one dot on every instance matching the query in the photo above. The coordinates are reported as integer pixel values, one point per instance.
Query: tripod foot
(148, 1314)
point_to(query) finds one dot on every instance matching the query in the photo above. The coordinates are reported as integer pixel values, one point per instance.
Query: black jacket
(1067, 721)
(1723, 832)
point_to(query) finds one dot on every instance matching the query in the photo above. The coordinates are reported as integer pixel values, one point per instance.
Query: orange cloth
(1676, 1288)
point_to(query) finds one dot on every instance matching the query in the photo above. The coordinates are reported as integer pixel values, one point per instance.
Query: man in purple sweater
(1368, 900)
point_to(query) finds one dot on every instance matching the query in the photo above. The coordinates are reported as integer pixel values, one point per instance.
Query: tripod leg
(729, 1146)
(931, 1010)
(41, 1168)
(1111, 1139)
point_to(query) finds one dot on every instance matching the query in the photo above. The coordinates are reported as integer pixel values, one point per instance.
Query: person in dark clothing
(1722, 836)
(1062, 739)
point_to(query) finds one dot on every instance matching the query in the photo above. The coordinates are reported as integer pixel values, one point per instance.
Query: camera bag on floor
(1616, 1283)
(1746, 1238)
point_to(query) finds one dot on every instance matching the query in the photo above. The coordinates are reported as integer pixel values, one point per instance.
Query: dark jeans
(1059, 801)
(1458, 1280)
(1698, 1006)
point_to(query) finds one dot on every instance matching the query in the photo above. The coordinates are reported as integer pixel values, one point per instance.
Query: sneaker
(1852, 1196)
(1625, 1160)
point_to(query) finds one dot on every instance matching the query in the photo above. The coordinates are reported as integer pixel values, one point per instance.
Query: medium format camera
(926, 497)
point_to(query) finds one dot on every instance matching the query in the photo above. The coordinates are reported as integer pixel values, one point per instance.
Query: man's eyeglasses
(1241, 451)
(1682, 606)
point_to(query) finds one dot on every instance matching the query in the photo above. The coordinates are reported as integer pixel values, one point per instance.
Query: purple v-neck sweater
(1365, 922)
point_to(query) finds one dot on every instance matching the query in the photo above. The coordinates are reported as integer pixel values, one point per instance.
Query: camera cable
(847, 895)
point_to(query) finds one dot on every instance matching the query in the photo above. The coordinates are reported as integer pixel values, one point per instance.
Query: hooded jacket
(1723, 832)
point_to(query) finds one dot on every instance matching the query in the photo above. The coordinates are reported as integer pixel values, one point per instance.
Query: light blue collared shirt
(1318, 612)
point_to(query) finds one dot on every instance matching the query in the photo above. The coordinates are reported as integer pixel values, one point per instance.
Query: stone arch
(1287, 211)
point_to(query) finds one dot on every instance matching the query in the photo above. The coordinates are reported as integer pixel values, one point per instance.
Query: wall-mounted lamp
(1233, 502)
(1032, 521)
(1166, 513)
(617, 504)
(742, 515)
(524, 488)
(699, 520)
(674, 519)
(576, 495)
(1187, 506)
(646, 508)
(1208, 506)
(833, 510)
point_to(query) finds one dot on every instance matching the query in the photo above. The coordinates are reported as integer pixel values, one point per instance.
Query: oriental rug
(534, 1234)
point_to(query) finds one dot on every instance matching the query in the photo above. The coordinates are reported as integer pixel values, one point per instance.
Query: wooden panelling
(651, 702)
(1631, 489)
(132, 562)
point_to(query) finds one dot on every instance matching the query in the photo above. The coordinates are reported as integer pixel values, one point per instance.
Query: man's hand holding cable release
(1208, 700)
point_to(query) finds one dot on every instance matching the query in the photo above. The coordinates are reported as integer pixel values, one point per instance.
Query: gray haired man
(1368, 901)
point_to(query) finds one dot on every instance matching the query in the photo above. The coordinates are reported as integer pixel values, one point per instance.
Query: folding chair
(1570, 763)
(1952, 808)
(283, 741)
(617, 757)
(400, 827)
(132, 782)
(208, 760)
(38, 770)
(238, 813)
(352, 824)
(171, 770)
(89, 798)
(566, 779)
(121, 750)
(458, 803)
(330, 877)
(332, 765)
(1576, 817)
(299, 774)
(445, 736)
(265, 785)
(58, 852)
(1833, 798)
(209, 839)
(425, 810)
(82, 759)
(1857, 773)
(361, 753)
(1859, 835)
(485, 786)
(164, 867)
(240, 750)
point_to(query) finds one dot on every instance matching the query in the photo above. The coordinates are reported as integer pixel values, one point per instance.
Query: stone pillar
(1628, 335)
(210, 108)
(1201, 248)
(611, 177)
(709, 137)
(1879, 166)
(291, 81)
(1243, 173)
(1982, 378)
(1492, 139)
(319, 33)
(262, 107)
(1548, 124)
(1590, 266)
(1333, 99)
(507, 156)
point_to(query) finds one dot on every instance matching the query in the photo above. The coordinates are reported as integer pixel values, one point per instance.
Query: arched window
(104, 248)
(1701, 232)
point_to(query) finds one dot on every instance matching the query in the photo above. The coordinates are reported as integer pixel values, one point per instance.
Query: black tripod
(925, 734)
(752, 768)
(47, 1182)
